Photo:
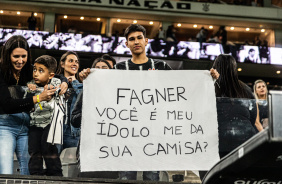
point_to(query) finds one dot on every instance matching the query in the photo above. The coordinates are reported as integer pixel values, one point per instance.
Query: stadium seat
(69, 162)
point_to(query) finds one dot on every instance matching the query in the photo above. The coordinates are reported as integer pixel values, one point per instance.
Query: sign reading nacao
(164, 5)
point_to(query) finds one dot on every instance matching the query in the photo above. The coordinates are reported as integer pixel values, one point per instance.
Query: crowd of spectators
(16, 70)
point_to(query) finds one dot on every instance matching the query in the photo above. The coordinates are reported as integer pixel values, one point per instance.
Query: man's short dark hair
(134, 28)
(48, 61)
(108, 57)
(251, 50)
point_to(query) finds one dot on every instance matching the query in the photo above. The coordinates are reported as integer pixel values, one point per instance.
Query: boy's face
(136, 42)
(41, 74)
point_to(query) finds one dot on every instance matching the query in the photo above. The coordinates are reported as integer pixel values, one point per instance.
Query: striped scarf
(55, 135)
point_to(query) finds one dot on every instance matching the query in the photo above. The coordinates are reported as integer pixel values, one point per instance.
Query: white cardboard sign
(148, 121)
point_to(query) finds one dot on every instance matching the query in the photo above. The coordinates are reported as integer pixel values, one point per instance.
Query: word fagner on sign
(140, 4)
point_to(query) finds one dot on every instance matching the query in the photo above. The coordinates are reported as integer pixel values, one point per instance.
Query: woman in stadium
(236, 110)
(261, 93)
(68, 67)
(236, 106)
(16, 71)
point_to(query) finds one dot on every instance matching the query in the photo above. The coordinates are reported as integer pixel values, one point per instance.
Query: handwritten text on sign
(149, 120)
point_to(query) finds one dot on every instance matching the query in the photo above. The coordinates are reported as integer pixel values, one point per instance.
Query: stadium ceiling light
(135, 22)
(35, 14)
(262, 30)
(18, 13)
(195, 25)
(118, 20)
(65, 17)
(81, 18)
(247, 29)
(211, 27)
(1, 11)
(151, 22)
(278, 72)
(178, 25)
(232, 28)
(239, 69)
(98, 19)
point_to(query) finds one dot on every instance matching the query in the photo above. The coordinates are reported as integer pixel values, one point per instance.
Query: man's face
(252, 54)
(136, 42)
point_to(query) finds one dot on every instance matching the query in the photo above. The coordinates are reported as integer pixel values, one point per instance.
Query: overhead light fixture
(247, 29)
(239, 69)
(178, 25)
(232, 28)
(278, 72)
(262, 30)
(18, 13)
(98, 19)
(118, 20)
(1, 11)
(81, 18)
(135, 22)
(151, 22)
(195, 25)
(211, 27)
(65, 17)
(35, 14)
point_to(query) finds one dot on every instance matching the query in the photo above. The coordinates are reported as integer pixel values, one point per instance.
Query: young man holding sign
(136, 41)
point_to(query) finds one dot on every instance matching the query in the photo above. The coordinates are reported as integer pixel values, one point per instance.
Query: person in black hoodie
(229, 86)
(236, 106)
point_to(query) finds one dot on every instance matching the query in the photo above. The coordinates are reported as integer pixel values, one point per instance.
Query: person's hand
(64, 87)
(31, 87)
(71, 78)
(84, 73)
(47, 94)
(214, 73)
